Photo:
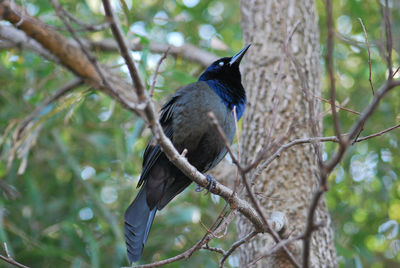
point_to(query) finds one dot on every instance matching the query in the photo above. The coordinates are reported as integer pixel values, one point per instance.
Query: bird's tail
(138, 220)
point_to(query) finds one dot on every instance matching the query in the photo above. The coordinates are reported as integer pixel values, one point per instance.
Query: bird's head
(225, 69)
(223, 76)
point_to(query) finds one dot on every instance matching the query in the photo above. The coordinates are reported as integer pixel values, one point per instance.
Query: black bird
(184, 118)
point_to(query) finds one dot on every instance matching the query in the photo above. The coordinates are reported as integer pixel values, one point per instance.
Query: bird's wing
(153, 150)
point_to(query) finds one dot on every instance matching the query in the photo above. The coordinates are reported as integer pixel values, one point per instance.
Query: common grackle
(184, 118)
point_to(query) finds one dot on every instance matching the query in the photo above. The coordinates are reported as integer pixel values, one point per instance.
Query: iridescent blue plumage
(230, 99)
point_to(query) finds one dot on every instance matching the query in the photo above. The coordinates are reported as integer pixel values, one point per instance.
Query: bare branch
(275, 248)
(153, 84)
(389, 42)
(338, 106)
(377, 134)
(69, 55)
(187, 51)
(249, 191)
(13, 38)
(185, 255)
(59, 93)
(86, 26)
(368, 111)
(323, 183)
(9, 259)
(213, 249)
(13, 262)
(182, 163)
(307, 93)
(221, 133)
(49, 39)
(100, 73)
(395, 72)
(329, 64)
(354, 132)
(124, 50)
(236, 245)
(18, 39)
(369, 55)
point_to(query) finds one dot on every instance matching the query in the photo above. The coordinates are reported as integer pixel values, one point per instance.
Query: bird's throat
(230, 96)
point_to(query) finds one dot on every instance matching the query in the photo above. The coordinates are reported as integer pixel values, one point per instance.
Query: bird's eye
(221, 63)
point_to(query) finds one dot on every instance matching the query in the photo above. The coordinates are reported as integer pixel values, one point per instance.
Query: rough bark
(288, 184)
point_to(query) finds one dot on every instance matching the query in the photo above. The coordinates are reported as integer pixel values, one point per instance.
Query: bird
(185, 121)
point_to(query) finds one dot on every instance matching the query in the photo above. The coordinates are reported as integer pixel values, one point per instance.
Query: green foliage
(83, 153)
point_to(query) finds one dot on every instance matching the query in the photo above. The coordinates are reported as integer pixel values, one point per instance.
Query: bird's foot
(211, 184)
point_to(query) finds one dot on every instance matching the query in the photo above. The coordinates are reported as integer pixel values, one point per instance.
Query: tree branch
(344, 142)
(235, 245)
(69, 55)
(369, 56)
(9, 259)
(188, 52)
(13, 38)
(59, 93)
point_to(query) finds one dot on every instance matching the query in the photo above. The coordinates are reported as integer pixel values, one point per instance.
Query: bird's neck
(231, 95)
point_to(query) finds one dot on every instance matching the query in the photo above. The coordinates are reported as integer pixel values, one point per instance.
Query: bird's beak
(238, 57)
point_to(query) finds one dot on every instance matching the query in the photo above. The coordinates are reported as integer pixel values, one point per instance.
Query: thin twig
(273, 233)
(323, 183)
(236, 245)
(249, 191)
(395, 72)
(222, 135)
(101, 74)
(153, 84)
(235, 188)
(59, 93)
(370, 71)
(279, 83)
(185, 255)
(389, 42)
(338, 106)
(295, 142)
(91, 58)
(330, 69)
(7, 251)
(187, 51)
(213, 249)
(275, 248)
(13, 262)
(377, 134)
(260, 164)
(369, 56)
(86, 26)
(9, 259)
(368, 111)
(125, 51)
(313, 119)
(355, 129)
(264, 152)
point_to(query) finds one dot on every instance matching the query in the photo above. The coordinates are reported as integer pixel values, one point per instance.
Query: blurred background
(63, 196)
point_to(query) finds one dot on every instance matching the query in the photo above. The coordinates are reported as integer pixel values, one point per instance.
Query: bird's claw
(211, 184)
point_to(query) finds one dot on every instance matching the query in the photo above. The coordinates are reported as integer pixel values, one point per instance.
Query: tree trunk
(288, 183)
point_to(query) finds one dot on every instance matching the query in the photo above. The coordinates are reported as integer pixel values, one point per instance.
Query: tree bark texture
(288, 184)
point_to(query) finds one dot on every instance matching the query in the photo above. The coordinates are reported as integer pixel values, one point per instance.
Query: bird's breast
(194, 131)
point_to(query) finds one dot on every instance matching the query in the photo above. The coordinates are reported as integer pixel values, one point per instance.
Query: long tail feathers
(138, 221)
